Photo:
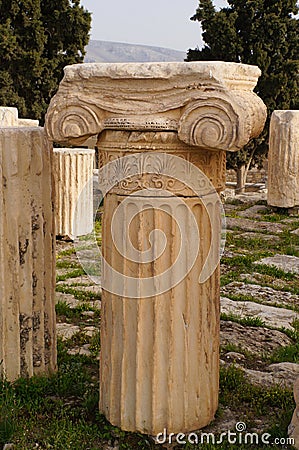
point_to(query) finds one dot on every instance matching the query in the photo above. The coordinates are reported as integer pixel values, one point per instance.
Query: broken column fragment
(27, 254)
(73, 174)
(283, 164)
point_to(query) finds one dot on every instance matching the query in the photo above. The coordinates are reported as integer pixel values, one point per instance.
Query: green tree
(37, 39)
(260, 32)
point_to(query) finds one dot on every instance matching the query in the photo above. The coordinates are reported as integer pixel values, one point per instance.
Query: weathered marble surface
(28, 123)
(284, 262)
(210, 104)
(73, 175)
(27, 254)
(271, 315)
(8, 116)
(160, 348)
(283, 159)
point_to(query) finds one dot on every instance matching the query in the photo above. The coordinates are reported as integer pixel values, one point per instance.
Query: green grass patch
(287, 244)
(274, 272)
(73, 274)
(274, 217)
(95, 344)
(239, 262)
(66, 264)
(288, 353)
(234, 348)
(67, 252)
(236, 389)
(78, 294)
(63, 309)
(247, 321)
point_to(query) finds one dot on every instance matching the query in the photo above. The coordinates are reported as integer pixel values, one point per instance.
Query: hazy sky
(162, 23)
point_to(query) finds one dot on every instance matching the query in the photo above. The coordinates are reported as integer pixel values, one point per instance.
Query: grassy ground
(61, 411)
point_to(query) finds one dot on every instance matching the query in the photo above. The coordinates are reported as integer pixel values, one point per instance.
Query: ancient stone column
(73, 174)
(283, 159)
(8, 116)
(163, 132)
(27, 254)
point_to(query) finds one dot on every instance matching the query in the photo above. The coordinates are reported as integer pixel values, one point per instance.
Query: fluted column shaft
(283, 159)
(73, 174)
(27, 254)
(160, 353)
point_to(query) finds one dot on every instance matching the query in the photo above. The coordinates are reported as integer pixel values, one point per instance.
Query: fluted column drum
(73, 173)
(27, 254)
(283, 162)
(157, 319)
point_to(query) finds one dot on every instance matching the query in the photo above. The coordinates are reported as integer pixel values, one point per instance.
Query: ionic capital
(210, 104)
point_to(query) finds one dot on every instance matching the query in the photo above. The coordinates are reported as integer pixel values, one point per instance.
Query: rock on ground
(284, 262)
(261, 294)
(272, 316)
(255, 340)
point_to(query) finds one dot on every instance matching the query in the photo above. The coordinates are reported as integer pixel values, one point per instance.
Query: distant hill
(104, 51)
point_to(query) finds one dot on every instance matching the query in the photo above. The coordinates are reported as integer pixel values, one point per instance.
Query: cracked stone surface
(284, 262)
(260, 236)
(256, 340)
(254, 212)
(249, 225)
(82, 350)
(66, 330)
(263, 294)
(282, 375)
(272, 316)
(69, 299)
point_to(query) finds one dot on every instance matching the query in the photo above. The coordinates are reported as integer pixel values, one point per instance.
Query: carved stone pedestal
(283, 160)
(73, 174)
(27, 254)
(167, 127)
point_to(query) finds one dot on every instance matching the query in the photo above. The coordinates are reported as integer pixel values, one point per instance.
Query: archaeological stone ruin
(27, 249)
(73, 176)
(163, 131)
(283, 172)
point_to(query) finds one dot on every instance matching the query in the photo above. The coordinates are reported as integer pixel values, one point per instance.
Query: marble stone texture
(283, 159)
(286, 263)
(159, 363)
(8, 116)
(73, 174)
(27, 254)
